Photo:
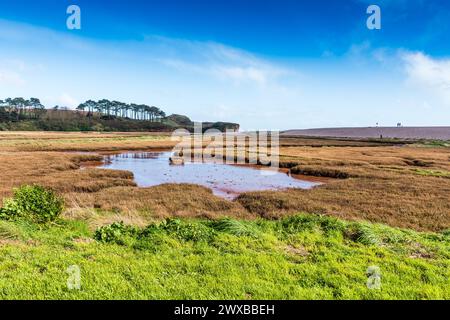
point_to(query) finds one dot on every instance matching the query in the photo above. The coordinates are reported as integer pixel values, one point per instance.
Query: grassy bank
(300, 257)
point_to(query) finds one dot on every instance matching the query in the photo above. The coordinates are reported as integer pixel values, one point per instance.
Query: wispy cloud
(428, 74)
(223, 62)
(206, 58)
(39, 37)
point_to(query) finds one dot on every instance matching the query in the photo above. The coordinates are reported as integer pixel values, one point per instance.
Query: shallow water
(153, 168)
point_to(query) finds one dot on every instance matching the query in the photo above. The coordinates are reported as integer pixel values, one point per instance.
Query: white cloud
(428, 74)
(39, 37)
(240, 66)
(242, 74)
(222, 62)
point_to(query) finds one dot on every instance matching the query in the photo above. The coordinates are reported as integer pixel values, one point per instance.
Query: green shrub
(34, 202)
(10, 210)
(116, 232)
(187, 231)
(153, 234)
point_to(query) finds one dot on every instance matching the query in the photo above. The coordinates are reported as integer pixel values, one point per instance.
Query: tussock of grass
(302, 223)
(320, 172)
(18, 230)
(235, 227)
(10, 231)
(418, 163)
(297, 224)
(364, 235)
(80, 158)
(288, 164)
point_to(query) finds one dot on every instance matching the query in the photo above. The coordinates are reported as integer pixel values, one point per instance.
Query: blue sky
(265, 64)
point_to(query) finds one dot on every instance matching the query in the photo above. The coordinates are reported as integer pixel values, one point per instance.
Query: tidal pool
(225, 180)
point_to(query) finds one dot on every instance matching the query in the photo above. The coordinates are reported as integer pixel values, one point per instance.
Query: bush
(10, 210)
(187, 231)
(117, 233)
(34, 202)
(122, 234)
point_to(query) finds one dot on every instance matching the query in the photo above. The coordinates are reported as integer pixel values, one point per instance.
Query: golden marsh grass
(402, 185)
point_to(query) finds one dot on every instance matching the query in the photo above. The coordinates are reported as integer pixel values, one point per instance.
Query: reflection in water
(133, 155)
(153, 168)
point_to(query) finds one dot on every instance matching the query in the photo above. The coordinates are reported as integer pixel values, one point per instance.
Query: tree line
(124, 110)
(19, 108)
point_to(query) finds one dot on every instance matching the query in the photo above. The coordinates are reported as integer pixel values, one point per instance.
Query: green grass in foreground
(302, 257)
